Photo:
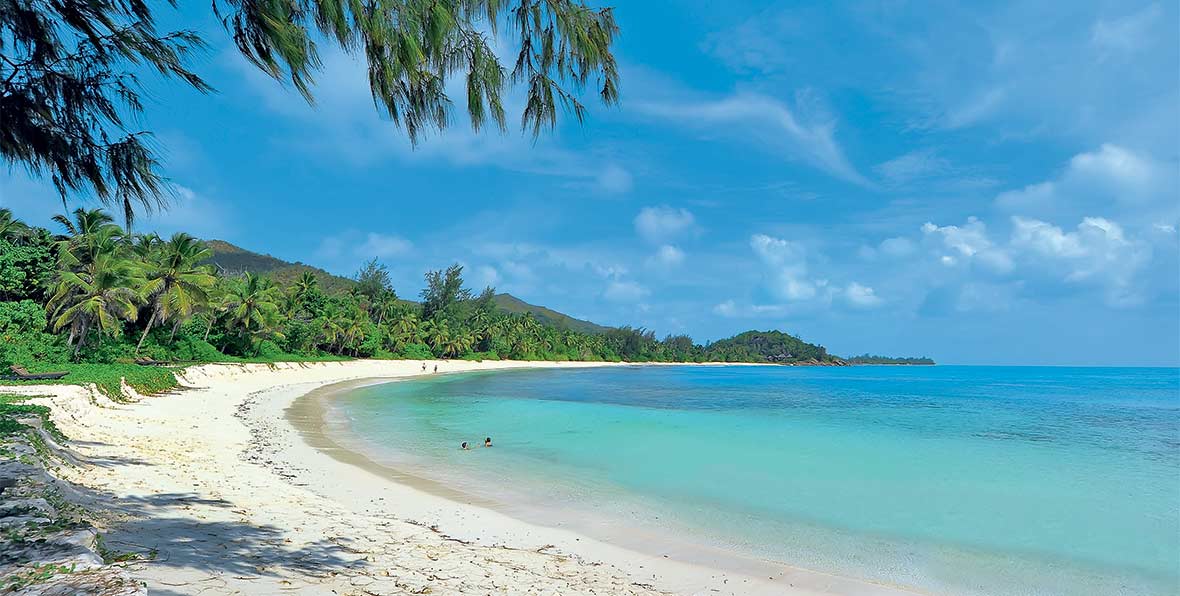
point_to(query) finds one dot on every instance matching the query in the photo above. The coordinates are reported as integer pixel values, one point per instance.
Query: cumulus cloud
(861, 296)
(790, 279)
(350, 247)
(615, 179)
(667, 257)
(1109, 179)
(624, 291)
(731, 309)
(897, 247)
(383, 246)
(657, 224)
(1097, 251)
(788, 261)
(968, 243)
(188, 211)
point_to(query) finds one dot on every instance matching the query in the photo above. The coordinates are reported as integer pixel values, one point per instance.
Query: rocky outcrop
(47, 546)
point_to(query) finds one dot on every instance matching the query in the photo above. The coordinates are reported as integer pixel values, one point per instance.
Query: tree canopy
(71, 97)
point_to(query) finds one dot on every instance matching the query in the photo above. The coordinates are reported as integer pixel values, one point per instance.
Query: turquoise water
(959, 480)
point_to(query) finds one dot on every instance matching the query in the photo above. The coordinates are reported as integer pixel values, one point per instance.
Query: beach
(227, 496)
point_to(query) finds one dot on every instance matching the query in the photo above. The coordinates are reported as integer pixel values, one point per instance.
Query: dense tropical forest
(91, 292)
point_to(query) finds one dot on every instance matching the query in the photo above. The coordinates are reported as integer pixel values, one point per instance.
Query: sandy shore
(235, 500)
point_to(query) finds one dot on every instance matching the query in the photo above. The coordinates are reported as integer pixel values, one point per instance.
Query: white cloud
(347, 249)
(1038, 255)
(968, 243)
(897, 247)
(770, 121)
(667, 257)
(911, 166)
(624, 291)
(790, 277)
(1109, 179)
(615, 179)
(383, 246)
(188, 211)
(861, 296)
(1099, 251)
(976, 108)
(484, 276)
(732, 310)
(1125, 34)
(1128, 175)
(656, 224)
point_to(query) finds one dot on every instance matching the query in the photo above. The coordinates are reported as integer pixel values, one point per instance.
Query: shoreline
(233, 497)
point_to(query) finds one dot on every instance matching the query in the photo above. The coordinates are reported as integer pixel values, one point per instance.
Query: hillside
(510, 303)
(769, 346)
(235, 260)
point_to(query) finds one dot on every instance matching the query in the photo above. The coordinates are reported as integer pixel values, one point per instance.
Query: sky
(982, 183)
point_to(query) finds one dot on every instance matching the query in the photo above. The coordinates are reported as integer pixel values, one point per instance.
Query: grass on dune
(144, 379)
(13, 407)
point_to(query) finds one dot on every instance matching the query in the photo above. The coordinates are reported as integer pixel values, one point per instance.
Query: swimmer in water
(464, 446)
(487, 442)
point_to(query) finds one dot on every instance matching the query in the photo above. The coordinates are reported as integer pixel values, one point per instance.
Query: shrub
(480, 356)
(22, 335)
(417, 352)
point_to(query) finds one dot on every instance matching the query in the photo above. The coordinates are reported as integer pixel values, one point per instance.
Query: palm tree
(405, 331)
(354, 328)
(99, 296)
(89, 234)
(437, 333)
(144, 245)
(176, 284)
(332, 329)
(457, 344)
(306, 284)
(11, 229)
(251, 306)
(384, 304)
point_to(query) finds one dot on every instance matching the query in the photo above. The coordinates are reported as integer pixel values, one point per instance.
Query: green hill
(769, 346)
(546, 316)
(236, 260)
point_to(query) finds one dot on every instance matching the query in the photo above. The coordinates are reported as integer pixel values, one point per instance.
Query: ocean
(950, 479)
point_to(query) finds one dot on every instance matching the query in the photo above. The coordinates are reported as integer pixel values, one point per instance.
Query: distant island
(869, 359)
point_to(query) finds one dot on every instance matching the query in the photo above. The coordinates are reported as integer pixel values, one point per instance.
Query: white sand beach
(231, 497)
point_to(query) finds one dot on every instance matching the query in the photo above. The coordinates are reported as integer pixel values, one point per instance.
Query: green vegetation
(105, 301)
(232, 260)
(867, 359)
(13, 408)
(70, 72)
(552, 318)
(768, 346)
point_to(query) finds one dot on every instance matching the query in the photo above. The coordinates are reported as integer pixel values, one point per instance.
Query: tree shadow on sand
(161, 528)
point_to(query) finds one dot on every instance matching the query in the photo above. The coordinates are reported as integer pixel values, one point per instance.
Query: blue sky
(992, 183)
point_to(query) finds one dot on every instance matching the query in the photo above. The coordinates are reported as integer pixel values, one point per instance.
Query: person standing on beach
(423, 367)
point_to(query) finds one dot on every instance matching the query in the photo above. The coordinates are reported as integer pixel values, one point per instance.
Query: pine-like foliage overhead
(70, 95)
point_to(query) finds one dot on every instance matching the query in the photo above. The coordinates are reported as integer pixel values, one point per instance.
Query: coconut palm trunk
(151, 320)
